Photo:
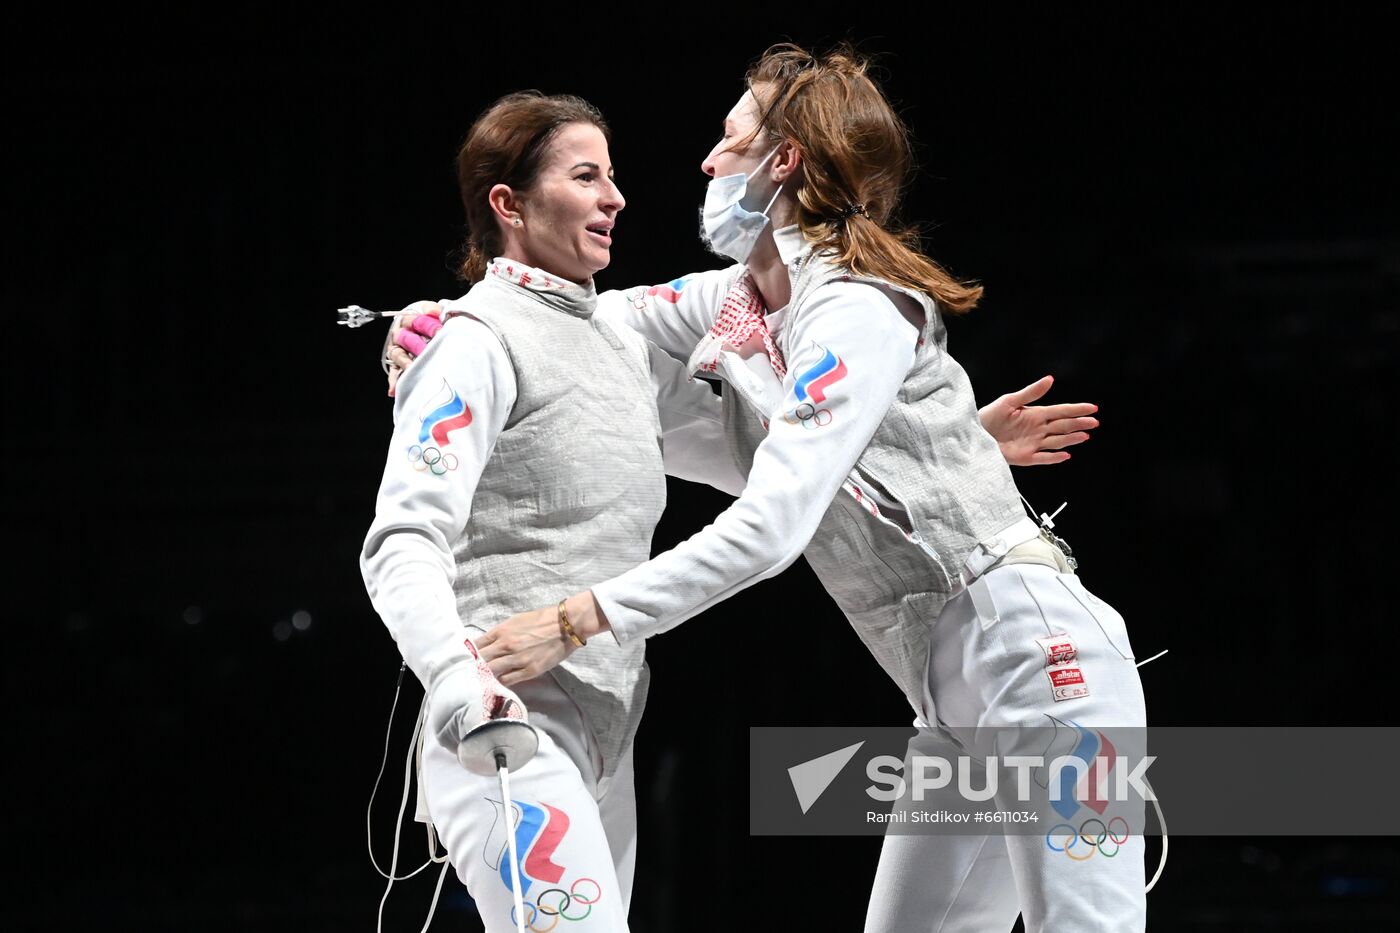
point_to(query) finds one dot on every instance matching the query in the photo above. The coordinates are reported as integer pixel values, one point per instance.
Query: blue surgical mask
(730, 219)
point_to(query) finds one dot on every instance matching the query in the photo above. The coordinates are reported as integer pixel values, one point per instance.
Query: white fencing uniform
(526, 463)
(863, 451)
(576, 832)
(986, 671)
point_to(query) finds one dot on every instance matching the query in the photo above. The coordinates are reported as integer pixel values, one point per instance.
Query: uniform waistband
(1018, 543)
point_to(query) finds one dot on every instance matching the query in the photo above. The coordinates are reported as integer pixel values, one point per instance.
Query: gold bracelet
(566, 628)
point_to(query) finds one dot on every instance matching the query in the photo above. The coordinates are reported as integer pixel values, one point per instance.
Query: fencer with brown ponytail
(856, 160)
(506, 146)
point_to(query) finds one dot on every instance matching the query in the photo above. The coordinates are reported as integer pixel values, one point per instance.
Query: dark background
(1189, 217)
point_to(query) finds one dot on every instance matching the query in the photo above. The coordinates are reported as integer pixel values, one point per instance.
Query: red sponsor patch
(1066, 679)
(1067, 683)
(1059, 650)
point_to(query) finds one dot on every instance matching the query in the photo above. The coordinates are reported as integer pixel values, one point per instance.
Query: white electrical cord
(1153, 658)
(432, 908)
(1162, 821)
(415, 751)
(369, 811)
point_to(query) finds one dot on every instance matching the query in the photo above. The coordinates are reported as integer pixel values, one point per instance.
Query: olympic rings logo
(430, 459)
(556, 903)
(1099, 845)
(809, 416)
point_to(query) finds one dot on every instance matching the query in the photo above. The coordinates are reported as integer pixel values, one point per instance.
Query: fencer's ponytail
(506, 146)
(856, 158)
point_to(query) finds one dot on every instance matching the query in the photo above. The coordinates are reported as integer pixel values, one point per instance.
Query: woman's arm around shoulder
(849, 352)
(674, 315)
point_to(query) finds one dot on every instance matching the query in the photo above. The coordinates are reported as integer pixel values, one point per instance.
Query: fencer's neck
(783, 211)
(769, 272)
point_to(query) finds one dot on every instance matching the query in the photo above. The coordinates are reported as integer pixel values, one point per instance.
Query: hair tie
(854, 209)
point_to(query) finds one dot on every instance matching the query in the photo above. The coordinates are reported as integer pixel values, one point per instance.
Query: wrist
(586, 615)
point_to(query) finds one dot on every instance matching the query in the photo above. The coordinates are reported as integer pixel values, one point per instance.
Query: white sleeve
(850, 351)
(450, 407)
(675, 315)
(693, 443)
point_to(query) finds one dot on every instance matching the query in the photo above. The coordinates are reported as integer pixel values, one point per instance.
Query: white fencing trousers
(986, 670)
(576, 834)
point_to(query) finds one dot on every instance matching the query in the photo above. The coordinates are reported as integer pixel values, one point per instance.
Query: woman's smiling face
(568, 214)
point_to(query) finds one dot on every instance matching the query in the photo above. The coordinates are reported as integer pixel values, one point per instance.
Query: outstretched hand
(408, 337)
(1034, 435)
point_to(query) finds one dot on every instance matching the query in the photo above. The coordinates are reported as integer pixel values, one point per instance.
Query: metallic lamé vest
(891, 574)
(571, 492)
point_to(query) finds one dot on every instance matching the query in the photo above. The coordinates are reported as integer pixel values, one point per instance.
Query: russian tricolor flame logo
(812, 384)
(446, 412)
(671, 291)
(537, 835)
(1075, 791)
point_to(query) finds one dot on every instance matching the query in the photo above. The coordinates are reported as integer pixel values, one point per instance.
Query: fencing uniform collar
(790, 243)
(558, 293)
